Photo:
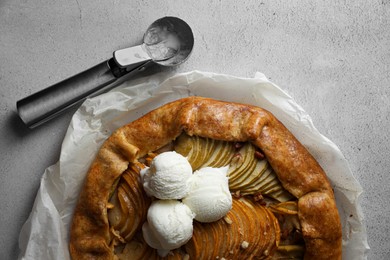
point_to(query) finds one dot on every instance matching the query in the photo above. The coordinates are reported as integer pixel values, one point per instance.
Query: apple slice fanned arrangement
(237, 235)
(128, 205)
(260, 206)
(249, 172)
(283, 204)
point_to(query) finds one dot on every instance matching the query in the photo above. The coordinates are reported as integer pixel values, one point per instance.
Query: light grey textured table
(333, 57)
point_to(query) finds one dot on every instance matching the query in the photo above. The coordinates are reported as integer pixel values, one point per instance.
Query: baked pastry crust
(298, 171)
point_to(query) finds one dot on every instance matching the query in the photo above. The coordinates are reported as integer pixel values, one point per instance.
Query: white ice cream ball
(168, 176)
(169, 224)
(209, 197)
(150, 237)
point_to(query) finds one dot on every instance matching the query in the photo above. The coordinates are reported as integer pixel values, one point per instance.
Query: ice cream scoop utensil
(167, 42)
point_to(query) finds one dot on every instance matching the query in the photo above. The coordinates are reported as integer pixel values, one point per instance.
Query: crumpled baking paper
(45, 234)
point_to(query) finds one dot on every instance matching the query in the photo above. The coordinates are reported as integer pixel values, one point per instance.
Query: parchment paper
(46, 232)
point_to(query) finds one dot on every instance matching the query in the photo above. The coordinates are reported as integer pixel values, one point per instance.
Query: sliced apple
(223, 226)
(255, 187)
(215, 156)
(128, 210)
(235, 236)
(115, 214)
(270, 186)
(184, 144)
(274, 234)
(209, 148)
(252, 176)
(137, 191)
(249, 240)
(215, 240)
(225, 156)
(194, 246)
(241, 165)
(246, 173)
(282, 195)
(249, 231)
(289, 207)
(193, 156)
(130, 188)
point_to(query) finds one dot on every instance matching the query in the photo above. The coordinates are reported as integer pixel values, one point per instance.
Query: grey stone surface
(333, 57)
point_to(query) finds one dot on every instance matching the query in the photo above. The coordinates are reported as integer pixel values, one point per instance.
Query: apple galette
(204, 179)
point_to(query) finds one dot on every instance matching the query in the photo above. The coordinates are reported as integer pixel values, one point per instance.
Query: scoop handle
(44, 105)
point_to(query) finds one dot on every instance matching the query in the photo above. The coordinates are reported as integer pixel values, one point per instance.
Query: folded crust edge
(296, 168)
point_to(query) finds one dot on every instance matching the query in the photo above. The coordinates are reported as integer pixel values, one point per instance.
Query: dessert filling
(200, 198)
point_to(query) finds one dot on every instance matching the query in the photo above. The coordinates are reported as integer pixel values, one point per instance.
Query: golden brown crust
(297, 170)
(320, 225)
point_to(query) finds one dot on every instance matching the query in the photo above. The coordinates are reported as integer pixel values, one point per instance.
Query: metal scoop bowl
(167, 42)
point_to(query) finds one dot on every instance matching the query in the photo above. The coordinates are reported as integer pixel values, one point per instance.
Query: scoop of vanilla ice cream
(168, 176)
(209, 197)
(168, 226)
